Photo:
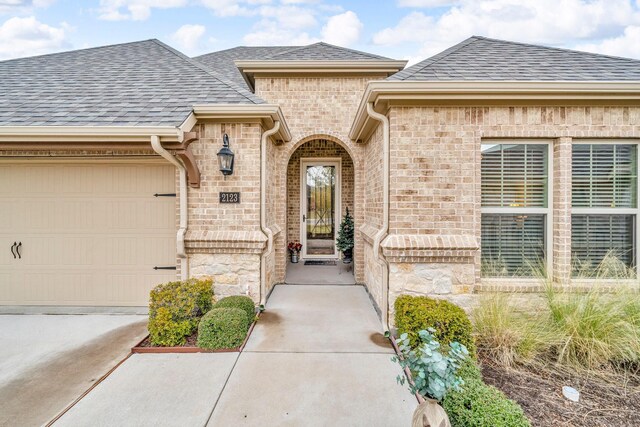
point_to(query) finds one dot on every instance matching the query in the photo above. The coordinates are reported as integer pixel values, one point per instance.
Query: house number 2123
(230, 197)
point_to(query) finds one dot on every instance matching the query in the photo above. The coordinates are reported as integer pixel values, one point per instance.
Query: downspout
(263, 211)
(182, 229)
(384, 230)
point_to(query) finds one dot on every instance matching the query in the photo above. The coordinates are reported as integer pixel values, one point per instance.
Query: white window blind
(604, 176)
(512, 245)
(595, 236)
(514, 208)
(604, 199)
(514, 175)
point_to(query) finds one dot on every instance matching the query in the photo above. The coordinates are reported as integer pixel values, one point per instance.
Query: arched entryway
(320, 189)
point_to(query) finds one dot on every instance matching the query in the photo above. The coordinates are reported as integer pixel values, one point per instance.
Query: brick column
(561, 210)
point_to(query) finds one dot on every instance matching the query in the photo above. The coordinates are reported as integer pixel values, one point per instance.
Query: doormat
(319, 262)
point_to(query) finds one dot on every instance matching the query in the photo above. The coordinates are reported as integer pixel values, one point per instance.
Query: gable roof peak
(480, 58)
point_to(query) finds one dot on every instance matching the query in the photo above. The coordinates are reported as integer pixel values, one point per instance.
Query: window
(604, 200)
(514, 209)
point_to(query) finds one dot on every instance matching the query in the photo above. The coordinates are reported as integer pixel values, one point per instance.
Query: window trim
(548, 211)
(612, 211)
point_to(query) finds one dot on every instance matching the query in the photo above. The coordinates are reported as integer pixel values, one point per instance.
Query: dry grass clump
(592, 330)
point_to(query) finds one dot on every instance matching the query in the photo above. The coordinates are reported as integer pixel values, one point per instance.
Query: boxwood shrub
(224, 327)
(414, 313)
(239, 301)
(477, 404)
(175, 309)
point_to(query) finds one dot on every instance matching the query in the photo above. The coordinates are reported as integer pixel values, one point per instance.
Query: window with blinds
(514, 175)
(514, 209)
(512, 245)
(604, 176)
(604, 199)
(593, 237)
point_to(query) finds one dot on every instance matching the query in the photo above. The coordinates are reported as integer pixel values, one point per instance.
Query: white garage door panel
(91, 233)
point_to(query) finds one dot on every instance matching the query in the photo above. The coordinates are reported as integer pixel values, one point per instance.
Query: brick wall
(435, 186)
(317, 109)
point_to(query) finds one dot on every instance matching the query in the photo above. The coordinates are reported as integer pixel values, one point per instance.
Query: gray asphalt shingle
(481, 58)
(222, 62)
(144, 83)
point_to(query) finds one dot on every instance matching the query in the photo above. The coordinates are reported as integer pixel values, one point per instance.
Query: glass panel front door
(319, 210)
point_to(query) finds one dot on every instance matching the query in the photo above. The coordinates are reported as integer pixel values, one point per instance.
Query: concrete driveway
(315, 358)
(47, 361)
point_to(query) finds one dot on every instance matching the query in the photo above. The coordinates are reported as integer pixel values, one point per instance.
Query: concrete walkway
(315, 358)
(46, 362)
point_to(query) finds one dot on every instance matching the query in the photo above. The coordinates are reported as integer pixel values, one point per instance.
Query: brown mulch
(610, 399)
(191, 341)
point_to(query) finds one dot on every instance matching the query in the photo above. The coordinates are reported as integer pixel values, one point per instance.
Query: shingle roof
(142, 83)
(481, 58)
(222, 62)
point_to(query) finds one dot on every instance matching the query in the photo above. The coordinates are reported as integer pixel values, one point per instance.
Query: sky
(400, 29)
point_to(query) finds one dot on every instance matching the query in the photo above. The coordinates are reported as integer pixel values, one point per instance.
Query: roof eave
(385, 93)
(66, 134)
(266, 113)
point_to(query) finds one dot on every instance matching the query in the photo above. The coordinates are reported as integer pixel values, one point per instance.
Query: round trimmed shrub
(450, 322)
(239, 301)
(477, 404)
(224, 327)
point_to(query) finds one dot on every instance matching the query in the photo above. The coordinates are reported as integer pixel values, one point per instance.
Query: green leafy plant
(480, 405)
(433, 369)
(450, 322)
(175, 309)
(239, 301)
(345, 234)
(224, 327)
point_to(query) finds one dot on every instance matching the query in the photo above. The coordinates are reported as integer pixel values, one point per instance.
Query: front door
(320, 207)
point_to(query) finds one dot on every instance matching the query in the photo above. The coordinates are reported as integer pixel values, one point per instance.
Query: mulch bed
(191, 341)
(605, 400)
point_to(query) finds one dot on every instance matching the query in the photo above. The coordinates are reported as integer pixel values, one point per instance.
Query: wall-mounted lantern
(225, 157)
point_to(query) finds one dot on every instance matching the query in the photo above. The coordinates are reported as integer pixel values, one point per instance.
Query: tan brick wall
(317, 108)
(435, 177)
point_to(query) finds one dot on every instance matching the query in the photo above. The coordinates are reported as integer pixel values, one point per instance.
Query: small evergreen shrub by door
(222, 328)
(450, 322)
(175, 309)
(344, 243)
(239, 301)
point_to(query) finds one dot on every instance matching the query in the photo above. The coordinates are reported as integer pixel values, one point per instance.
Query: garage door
(85, 234)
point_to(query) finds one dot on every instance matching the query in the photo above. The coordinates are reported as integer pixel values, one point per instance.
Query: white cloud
(135, 10)
(426, 3)
(16, 6)
(188, 36)
(627, 44)
(564, 23)
(27, 37)
(343, 29)
(269, 33)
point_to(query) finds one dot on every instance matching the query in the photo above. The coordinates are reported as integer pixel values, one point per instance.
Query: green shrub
(450, 322)
(224, 327)
(477, 404)
(239, 301)
(175, 309)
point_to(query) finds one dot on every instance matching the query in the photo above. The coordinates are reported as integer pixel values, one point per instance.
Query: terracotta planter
(430, 414)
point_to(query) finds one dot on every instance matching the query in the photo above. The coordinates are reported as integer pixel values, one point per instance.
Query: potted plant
(433, 375)
(345, 238)
(294, 251)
